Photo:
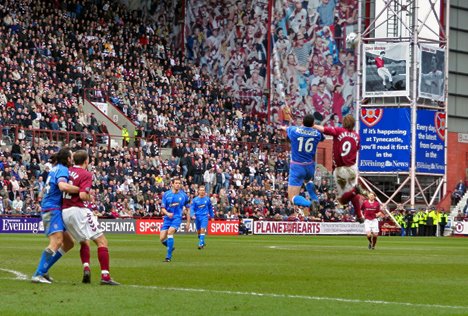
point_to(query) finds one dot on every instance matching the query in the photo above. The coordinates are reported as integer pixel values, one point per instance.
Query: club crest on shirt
(439, 121)
(370, 117)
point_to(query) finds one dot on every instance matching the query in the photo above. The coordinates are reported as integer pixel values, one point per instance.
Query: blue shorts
(300, 173)
(201, 222)
(171, 222)
(53, 222)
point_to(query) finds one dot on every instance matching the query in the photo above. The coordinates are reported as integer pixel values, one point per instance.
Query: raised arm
(320, 128)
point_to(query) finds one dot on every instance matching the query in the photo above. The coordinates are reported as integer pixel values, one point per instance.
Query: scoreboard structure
(401, 103)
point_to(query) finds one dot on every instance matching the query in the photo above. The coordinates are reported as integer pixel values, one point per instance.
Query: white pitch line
(289, 296)
(22, 276)
(18, 275)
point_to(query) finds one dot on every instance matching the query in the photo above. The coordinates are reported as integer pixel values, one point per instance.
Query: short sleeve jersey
(304, 142)
(370, 209)
(201, 206)
(84, 180)
(379, 62)
(175, 202)
(53, 196)
(345, 146)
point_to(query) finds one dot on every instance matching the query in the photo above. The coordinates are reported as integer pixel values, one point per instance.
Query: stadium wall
(457, 158)
(325, 153)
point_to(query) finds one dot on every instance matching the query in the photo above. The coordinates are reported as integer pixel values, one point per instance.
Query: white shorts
(383, 72)
(81, 223)
(345, 179)
(371, 226)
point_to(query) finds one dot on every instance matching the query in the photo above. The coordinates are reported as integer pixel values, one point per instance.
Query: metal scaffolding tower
(415, 22)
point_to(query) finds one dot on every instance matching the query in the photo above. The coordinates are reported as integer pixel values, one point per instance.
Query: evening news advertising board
(430, 142)
(386, 70)
(386, 140)
(432, 73)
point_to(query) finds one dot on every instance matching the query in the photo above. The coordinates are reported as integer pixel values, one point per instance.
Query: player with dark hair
(346, 143)
(173, 203)
(201, 210)
(80, 221)
(51, 212)
(433, 81)
(304, 140)
(383, 71)
(371, 210)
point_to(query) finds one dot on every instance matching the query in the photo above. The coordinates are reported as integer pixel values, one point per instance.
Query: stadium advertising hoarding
(21, 225)
(460, 228)
(386, 70)
(385, 139)
(117, 226)
(153, 226)
(432, 73)
(307, 228)
(430, 141)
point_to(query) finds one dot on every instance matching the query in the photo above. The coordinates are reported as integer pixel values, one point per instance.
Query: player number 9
(345, 148)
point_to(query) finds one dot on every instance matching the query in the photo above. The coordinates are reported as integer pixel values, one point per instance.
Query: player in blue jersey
(173, 204)
(304, 141)
(201, 210)
(51, 213)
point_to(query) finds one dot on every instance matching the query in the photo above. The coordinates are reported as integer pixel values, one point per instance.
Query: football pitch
(244, 275)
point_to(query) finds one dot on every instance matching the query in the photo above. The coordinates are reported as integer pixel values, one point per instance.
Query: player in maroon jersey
(79, 220)
(371, 210)
(346, 143)
(383, 71)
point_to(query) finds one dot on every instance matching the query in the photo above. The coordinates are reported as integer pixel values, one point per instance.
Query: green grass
(245, 275)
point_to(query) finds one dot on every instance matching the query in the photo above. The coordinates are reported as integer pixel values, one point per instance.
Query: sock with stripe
(57, 255)
(45, 257)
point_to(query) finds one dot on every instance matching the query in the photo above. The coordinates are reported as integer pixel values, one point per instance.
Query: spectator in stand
(85, 59)
(460, 216)
(459, 192)
(17, 206)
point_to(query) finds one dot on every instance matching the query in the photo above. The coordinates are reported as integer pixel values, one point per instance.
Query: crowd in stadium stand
(311, 67)
(51, 53)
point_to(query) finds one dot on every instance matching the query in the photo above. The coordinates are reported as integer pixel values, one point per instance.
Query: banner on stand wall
(386, 70)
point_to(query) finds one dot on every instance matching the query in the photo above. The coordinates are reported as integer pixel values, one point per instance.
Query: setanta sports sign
(153, 226)
(117, 226)
(223, 228)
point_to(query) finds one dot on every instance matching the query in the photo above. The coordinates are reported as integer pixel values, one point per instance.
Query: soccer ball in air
(351, 38)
